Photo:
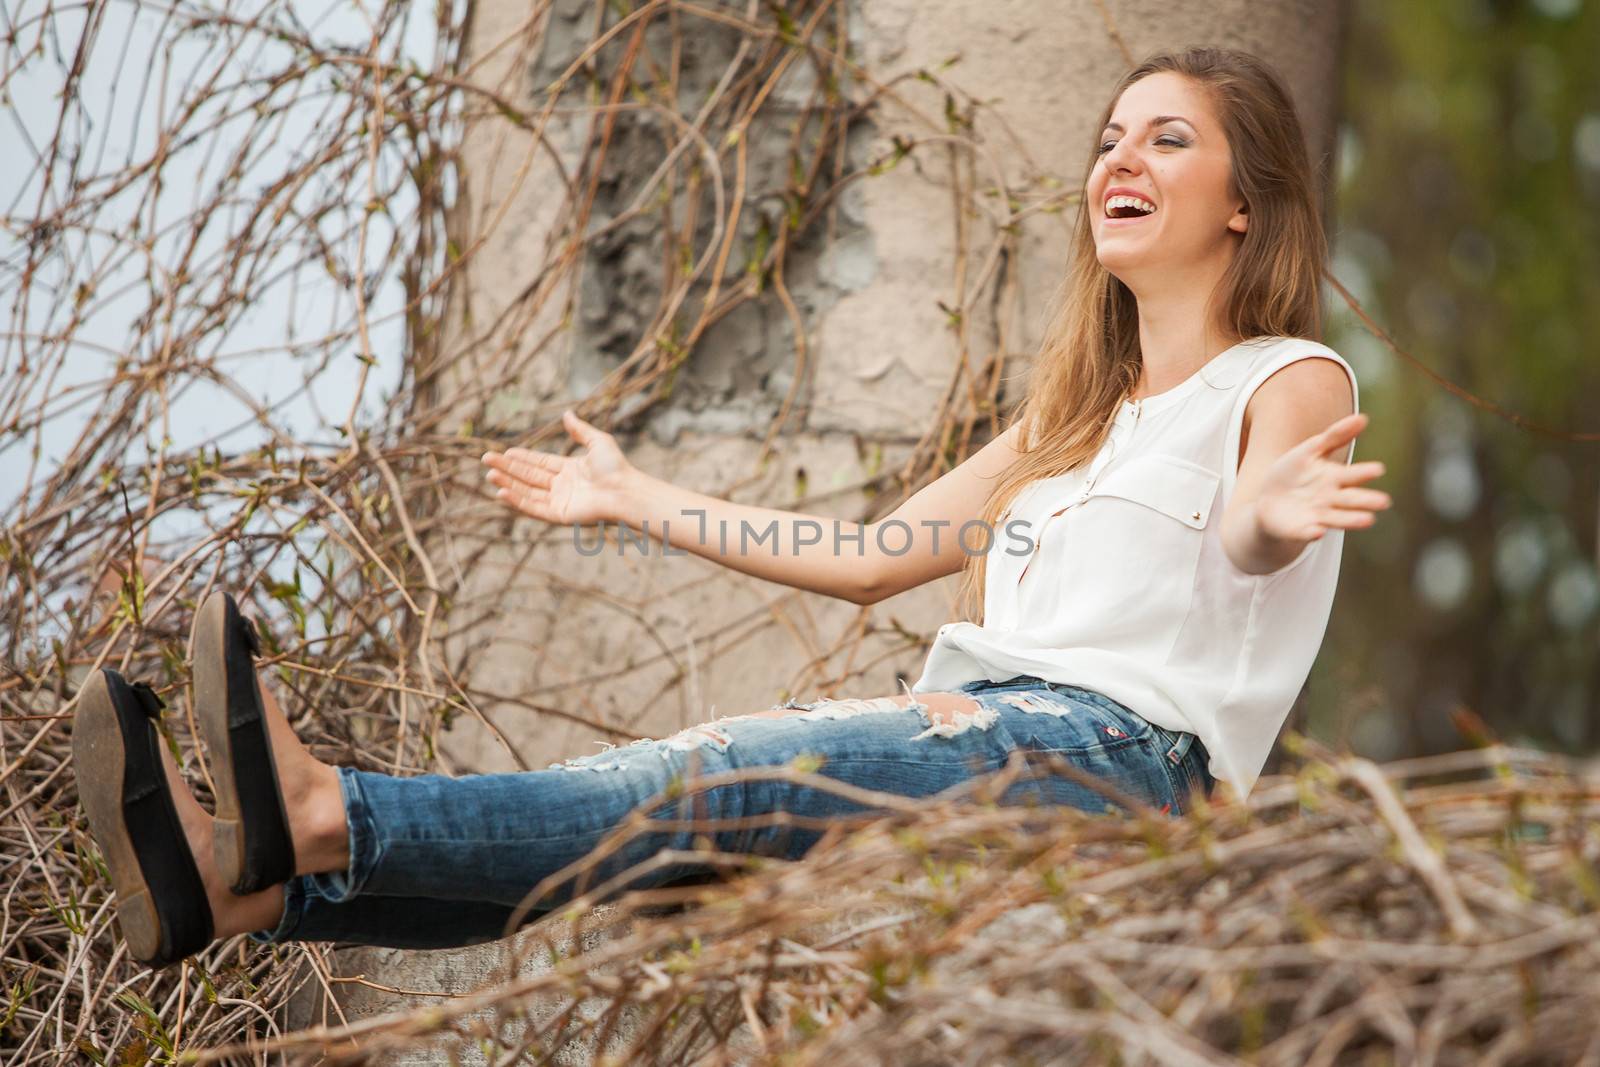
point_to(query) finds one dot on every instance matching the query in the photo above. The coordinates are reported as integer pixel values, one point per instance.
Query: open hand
(566, 490)
(1311, 489)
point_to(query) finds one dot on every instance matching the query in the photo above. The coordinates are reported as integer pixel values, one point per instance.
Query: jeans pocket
(1118, 722)
(1178, 751)
(1047, 718)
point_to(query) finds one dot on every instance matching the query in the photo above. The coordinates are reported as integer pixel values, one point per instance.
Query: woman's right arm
(855, 562)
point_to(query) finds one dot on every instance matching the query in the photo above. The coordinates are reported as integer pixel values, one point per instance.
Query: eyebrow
(1159, 120)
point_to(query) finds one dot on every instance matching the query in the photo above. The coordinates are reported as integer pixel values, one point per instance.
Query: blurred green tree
(1465, 223)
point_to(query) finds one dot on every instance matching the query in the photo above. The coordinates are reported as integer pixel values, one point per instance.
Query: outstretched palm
(1310, 489)
(566, 490)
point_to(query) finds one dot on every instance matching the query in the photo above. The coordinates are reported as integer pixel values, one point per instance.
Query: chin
(1119, 263)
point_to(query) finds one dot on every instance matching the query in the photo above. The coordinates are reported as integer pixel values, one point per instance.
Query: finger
(529, 457)
(522, 491)
(581, 431)
(1350, 474)
(502, 480)
(532, 503)
(1346, 518)
(505, 460)
(535, 468)
(1341, 432)
(1370, 499)
(528, 474)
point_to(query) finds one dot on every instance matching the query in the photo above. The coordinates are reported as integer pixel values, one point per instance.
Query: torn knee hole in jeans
(686, 740)
(683, 741)
(827, 708)
(850, 708)
(946, 722)
(595, 762)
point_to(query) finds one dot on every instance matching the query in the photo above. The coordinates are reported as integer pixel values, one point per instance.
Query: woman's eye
(1169, 141)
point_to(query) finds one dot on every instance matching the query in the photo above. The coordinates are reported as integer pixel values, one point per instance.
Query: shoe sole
(250, 836)
(123, 788)
(100, 758)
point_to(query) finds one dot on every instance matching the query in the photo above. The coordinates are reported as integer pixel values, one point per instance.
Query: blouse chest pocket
(1175, 487)
(1124, 550)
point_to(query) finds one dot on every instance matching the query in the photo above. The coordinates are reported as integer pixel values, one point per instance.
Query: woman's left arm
(1294, 484)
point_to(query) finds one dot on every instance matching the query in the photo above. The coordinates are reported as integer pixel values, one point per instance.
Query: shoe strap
(149, 703)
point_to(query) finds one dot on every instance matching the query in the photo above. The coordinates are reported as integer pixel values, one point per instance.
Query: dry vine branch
(1281, 931)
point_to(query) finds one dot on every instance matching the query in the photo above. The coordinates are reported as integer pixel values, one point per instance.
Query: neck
(1177, 333)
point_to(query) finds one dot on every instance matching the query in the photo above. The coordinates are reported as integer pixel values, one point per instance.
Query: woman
(1174, 493)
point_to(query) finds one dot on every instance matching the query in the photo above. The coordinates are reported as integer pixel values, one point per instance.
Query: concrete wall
(651, 645)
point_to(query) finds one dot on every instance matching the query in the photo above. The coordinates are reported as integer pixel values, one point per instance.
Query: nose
(1123, 157)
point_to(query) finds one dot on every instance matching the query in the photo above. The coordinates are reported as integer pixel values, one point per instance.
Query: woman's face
(1164, 146)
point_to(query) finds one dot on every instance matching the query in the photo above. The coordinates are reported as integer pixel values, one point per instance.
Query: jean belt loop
(1180, 746)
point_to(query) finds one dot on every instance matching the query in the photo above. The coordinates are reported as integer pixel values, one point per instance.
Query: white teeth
(1137, 203)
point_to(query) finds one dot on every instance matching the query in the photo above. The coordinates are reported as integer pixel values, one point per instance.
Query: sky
(139, 69)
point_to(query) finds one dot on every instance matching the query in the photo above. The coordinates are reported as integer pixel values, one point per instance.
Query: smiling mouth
(1121, 207)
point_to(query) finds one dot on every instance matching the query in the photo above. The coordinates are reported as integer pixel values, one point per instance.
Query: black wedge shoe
(252, 845)
(116, 755)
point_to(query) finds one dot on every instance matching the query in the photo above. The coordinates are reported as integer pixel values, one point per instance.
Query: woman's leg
(484, 841)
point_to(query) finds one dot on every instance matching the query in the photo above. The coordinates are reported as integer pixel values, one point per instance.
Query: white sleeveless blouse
(1127, 589)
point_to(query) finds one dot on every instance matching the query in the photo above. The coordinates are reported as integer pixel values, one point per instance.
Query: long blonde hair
(1089, 361)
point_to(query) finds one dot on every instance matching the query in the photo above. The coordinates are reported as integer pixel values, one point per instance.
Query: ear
(1241, 218)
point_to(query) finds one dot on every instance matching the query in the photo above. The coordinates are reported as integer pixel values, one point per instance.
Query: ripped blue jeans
(481, 843)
